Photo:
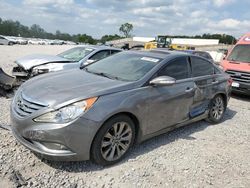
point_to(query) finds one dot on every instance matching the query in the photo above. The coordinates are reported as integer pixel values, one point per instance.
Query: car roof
(195, 51)
(165, 54)
(100, 47)
(245, 39)
(167, 51)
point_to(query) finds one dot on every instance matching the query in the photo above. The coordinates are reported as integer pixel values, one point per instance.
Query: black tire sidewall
(96, 155)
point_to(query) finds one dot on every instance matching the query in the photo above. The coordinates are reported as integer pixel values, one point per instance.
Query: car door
(205, 81)
(169, 105)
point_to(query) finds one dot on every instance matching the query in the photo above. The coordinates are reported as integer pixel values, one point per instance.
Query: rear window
(203, 54)
(240, 53)
(201, 67)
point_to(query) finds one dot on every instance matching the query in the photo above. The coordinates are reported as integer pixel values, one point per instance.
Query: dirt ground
(198, 155)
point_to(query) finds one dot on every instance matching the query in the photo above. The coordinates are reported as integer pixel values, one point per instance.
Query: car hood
(27, 62)
(64, 87)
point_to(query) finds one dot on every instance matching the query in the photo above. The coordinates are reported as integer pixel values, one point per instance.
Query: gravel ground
(198, 155)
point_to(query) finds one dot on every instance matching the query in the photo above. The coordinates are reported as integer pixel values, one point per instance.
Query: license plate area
(235, 84)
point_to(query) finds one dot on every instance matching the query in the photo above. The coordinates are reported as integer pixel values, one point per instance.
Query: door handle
(189, 90)
(215, 82)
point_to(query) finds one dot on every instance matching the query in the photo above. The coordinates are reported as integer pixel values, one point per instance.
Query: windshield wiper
(105, 75)
(101, 74)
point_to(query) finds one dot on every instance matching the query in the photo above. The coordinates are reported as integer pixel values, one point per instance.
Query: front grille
(25, 107)
(239, 76)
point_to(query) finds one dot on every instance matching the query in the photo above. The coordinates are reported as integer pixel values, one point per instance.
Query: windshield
(76, 54)
(240, 53)
(124, 66)
(161, 40)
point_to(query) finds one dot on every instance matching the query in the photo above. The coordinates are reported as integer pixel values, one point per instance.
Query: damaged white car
(33, 65)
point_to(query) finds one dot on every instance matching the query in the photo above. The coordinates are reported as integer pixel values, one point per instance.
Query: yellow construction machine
(164, 41)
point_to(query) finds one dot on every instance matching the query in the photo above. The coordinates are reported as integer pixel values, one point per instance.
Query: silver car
(100, 111)
(33, 65)
(5, 41)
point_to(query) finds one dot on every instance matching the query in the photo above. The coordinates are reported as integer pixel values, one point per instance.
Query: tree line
(15, 28)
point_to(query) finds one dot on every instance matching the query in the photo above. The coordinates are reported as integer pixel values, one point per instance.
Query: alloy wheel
(116, 141)
(218, 108)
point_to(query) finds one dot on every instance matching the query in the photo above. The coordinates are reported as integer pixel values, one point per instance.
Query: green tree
(106, 38)
(37, 31)
(126, 29)
(86, 39)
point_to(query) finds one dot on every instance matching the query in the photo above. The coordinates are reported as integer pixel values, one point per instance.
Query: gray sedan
(100, 111)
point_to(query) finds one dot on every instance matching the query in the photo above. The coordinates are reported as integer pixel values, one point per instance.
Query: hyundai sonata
(100, 111)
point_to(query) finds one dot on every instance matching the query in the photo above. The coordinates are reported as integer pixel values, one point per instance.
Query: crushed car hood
(27, 62)
(69, 86)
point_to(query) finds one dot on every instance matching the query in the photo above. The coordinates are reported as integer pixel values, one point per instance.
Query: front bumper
(76, 137)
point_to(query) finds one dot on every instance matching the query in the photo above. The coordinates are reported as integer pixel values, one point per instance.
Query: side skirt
(165, 130)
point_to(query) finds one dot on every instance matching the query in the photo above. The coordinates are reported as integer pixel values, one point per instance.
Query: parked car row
(104, 100)
(11, 40)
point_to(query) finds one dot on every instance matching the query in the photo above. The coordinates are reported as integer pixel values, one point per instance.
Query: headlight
(68, 113)
(48, 68)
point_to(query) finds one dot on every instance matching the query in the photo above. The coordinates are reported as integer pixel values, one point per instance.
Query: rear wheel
(217, 109)
(113, 140)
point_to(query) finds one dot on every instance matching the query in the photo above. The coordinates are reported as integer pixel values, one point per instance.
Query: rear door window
(114, 51)
(201, 67)
(100, 55)
(177, 68)
(203, 54)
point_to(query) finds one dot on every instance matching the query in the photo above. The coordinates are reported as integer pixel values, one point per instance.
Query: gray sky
(149, 17)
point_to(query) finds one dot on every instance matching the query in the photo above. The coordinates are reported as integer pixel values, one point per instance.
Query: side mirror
(163, 81)
(88, 62)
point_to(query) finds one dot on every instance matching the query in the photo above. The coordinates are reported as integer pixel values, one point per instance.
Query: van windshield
(240, 53)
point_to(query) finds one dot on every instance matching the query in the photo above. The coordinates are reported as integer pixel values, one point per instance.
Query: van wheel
(217, 109)
(113, 140)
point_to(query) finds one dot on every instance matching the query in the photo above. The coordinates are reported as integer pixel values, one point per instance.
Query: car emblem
(238, 74)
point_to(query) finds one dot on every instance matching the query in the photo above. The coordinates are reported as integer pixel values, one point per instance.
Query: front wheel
(217, 109)
(113, 140)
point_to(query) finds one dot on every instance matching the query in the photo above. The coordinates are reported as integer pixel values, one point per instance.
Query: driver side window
(177, 68)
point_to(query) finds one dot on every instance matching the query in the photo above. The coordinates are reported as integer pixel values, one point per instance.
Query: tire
(217, 109)
(113, 141)
(10, 43)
